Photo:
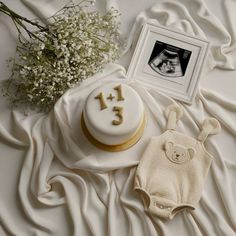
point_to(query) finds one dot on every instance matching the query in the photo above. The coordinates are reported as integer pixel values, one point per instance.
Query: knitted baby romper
(173, 168)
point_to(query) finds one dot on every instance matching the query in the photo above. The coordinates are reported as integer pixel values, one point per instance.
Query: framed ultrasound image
(169, 61)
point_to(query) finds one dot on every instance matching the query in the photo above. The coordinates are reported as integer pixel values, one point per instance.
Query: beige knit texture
(172, 171)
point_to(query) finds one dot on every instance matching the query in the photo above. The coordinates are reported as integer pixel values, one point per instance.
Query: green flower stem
(11, 13)
(19, 20)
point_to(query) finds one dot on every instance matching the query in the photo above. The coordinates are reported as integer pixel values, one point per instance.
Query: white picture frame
(169, 61)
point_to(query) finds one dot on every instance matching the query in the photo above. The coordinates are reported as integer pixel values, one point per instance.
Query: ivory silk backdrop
(54, 182)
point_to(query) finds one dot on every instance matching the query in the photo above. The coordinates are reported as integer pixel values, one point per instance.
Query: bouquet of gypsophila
(76, 44)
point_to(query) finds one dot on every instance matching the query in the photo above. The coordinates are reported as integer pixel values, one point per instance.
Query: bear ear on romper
(168, 145)
(191, 152)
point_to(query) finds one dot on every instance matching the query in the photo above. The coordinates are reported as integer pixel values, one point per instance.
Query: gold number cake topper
(103, 104)
(119, 114)
(117, 109)
(119, 93)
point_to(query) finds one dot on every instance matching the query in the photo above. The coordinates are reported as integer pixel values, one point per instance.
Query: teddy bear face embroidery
(177, 153)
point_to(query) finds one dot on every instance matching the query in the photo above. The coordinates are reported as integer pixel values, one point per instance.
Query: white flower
(77, 44)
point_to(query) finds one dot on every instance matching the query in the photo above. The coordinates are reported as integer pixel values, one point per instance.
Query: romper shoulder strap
(209, 126)
(173, 113)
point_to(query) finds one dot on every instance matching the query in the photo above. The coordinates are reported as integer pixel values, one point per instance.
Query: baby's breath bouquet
(74, 46)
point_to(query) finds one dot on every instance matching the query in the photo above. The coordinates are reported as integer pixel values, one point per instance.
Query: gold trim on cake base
(119, 147)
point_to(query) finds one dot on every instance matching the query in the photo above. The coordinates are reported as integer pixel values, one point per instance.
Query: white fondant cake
(113, 117)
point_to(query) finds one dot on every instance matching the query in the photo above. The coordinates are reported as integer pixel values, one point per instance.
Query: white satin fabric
(66, 186)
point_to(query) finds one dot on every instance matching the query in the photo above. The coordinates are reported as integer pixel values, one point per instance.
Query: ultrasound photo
(168, 60)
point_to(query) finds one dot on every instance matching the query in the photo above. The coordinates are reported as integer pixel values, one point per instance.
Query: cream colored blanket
(65, 186)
